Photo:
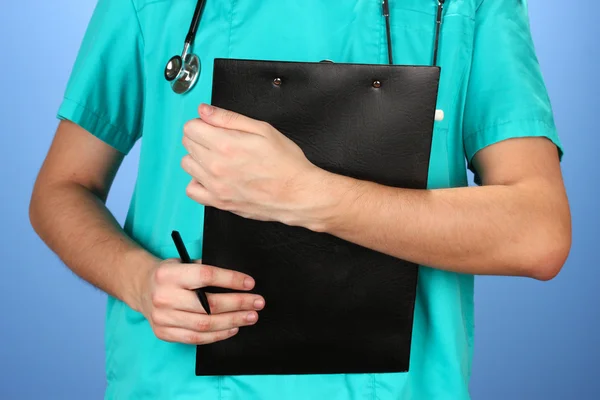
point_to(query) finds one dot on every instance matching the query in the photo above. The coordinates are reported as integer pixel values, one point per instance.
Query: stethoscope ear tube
(191, 35)
(438, 25)
(182, 71)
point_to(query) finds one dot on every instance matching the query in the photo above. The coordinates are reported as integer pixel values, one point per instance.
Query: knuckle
(229, 117)
(189, 190)
(216, 169)
(160, 275)
(224, 148)
(240, 319)
(156, 317)
(186, 162)
(222, 335)
(241, 302)
(189, 127)
(192, 338)
(236, 279)
(158, 300)
(206, 275)
(203, 324)
(265, 126)
(213, 303)
(161, 333)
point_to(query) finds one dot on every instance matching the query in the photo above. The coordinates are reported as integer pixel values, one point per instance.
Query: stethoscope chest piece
(183, 72)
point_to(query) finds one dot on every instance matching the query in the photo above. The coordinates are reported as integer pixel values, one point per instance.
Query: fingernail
(233, 331)
(251, 317)
(206, 109)
(248, 283)
(259, 303)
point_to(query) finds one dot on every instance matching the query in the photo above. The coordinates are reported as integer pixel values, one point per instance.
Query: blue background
(533, 340)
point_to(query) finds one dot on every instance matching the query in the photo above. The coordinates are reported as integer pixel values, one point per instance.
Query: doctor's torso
(490, 90)
(341, 31)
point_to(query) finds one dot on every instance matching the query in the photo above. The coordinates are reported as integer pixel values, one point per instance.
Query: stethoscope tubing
(182, 71)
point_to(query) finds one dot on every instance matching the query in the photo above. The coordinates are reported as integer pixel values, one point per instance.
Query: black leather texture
(331, 306)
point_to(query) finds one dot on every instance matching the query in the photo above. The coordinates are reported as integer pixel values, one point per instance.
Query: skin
(68, 207)
(518, 223)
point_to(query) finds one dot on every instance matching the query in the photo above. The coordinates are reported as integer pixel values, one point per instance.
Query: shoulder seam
(137, 18)
(149, 3)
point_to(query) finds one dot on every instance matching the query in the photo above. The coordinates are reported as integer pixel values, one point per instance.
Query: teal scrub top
(491, 90)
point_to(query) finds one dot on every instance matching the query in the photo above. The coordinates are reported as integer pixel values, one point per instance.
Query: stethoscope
(183, 71)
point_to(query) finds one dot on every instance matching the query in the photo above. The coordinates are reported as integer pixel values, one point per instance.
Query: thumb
(221, 118)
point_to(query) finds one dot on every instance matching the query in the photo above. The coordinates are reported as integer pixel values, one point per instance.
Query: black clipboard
(332, 306)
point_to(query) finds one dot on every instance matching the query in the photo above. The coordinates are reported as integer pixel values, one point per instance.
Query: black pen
(185, 258)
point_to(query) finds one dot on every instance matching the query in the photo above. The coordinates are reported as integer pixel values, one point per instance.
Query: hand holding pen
(185, 259)
(179, 311)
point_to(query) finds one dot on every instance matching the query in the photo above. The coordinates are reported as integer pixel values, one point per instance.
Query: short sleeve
(105, 92)
(506, 95)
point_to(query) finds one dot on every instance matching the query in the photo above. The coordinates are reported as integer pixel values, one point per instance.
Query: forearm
(499, 230)
(78, 227)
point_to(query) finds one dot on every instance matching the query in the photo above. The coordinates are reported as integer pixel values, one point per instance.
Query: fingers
(176, 315)
(204, 134)
(194, 169)
(202, 322)
(228, 302)
(198, 152)
(219, 117)
(180, 335)
(200, 194)
(193, 276)
(186, 300)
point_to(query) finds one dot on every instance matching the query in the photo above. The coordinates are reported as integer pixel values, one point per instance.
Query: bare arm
(68, 212)
(518, 223)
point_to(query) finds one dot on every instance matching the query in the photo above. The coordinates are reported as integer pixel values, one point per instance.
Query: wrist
(330, 200)
(137, 268)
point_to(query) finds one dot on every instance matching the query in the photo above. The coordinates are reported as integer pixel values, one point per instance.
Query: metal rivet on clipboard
(439, 114)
